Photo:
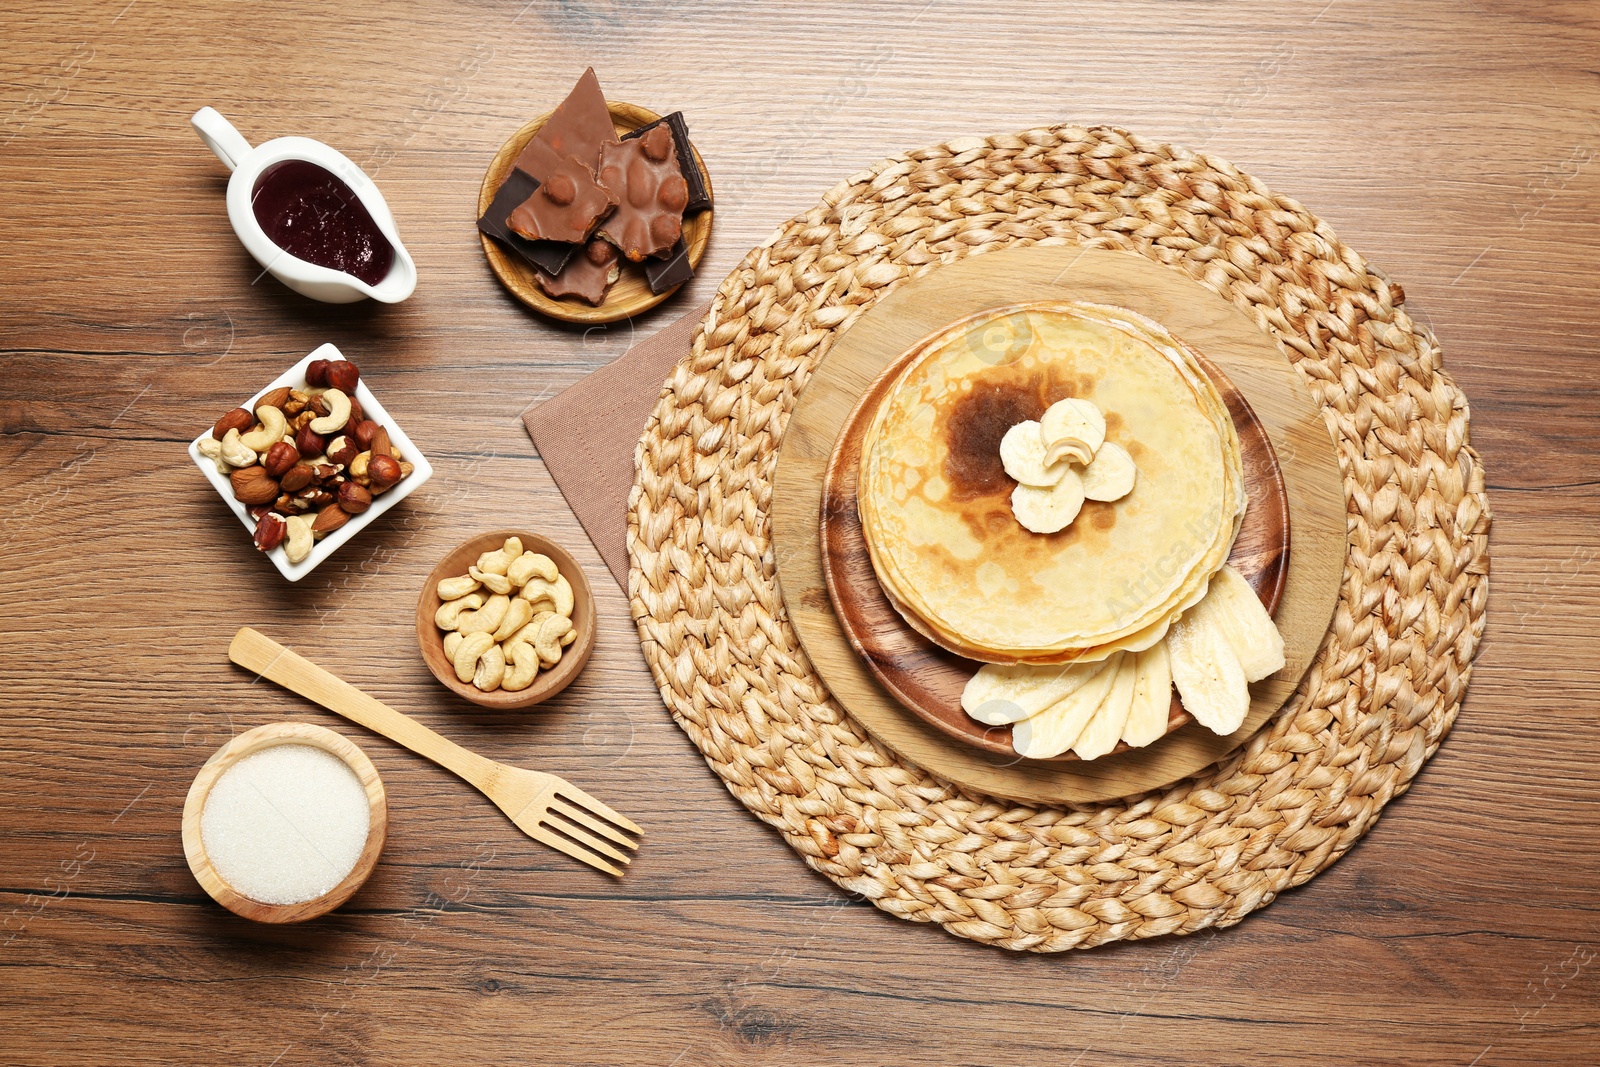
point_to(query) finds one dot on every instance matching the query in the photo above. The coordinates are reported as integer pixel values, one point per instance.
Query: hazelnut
(297, 478)
(329, 519)
(309, 441)
(253, 485)
(317, 372)
(238, 419)
(280, 457)
(343, 376)
(383, 472)
(342, 450)
(270, 530)
(257, 511)
(356, 414)
(275, 398)
(314, 497)
(353, 498)
(323, 472)
(363, 433)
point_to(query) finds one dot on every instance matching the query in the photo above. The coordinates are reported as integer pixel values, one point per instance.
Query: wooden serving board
(928, 678)
(1249, 358)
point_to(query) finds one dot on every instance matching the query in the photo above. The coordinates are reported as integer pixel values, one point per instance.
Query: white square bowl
(295, 378)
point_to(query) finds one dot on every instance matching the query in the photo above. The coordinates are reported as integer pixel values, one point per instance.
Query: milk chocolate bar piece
(586, 276)
(699, 195)
(565, 207)
(548, 256)
(671, 272)
(577, 127)
(644, 181)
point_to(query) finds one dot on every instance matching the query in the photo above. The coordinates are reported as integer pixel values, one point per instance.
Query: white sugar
(286, 824)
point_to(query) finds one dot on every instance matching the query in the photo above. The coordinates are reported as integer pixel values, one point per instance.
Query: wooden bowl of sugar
(285, 822)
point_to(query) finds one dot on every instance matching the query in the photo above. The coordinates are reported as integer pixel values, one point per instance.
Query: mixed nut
(305, 460)
(503, 639)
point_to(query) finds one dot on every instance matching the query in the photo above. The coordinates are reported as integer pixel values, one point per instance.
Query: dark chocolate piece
(586, 276)
(548, 256)
(577, 127)
(671, 272)
(699, 195)
(644, 181)
(565, 207)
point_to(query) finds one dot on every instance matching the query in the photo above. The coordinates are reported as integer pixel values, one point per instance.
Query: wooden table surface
(1451, 142)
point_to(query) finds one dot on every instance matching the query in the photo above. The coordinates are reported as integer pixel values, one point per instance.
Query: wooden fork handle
(255, 651)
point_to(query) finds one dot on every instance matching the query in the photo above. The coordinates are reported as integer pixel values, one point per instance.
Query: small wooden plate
(630, 294)
(927, 678)
(249, 743)
(547, 683)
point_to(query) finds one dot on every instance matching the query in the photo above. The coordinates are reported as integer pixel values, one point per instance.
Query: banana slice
(1206, 670)
(1110, 475)
(1075, 418)
(1152, 697)
(1105, 729)
(1053, 730)
(1022, 452)
(1233, 607)
(1046, 511)
(1002, 693)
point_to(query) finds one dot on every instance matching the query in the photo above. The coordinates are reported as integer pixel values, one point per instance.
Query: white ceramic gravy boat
(319, 283)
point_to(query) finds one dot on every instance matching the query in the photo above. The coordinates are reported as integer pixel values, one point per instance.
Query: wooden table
(1451, 142)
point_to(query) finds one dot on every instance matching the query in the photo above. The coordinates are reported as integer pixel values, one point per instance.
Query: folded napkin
(587, 434)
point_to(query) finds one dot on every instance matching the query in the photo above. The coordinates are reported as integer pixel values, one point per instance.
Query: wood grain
(927, 679)
(1445, 140)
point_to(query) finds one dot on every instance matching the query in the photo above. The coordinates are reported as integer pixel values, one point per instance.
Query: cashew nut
(338, 413)
(491, 669)
(493, 562)
(486, 619)
(565, 601)
(298, 539)
(568, 637)
(456, 588)
(234, 452)
(524, 665)
(547, 639)
(211, 448)
(452, 641)
(468, 652)
(273, 423)
(538, 591)
(496, 583)
(448, 617)
(512, 548)
(518, 612)
(529, 564)
(527, 632)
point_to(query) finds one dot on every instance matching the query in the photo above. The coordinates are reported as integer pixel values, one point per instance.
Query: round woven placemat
(1210, 849)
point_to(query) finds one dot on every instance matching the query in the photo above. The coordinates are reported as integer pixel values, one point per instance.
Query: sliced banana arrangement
(502, 640)
(1061, 460)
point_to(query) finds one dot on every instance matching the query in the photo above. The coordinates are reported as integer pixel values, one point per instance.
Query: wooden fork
(547, 808)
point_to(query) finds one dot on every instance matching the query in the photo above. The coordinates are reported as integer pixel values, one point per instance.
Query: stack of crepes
(1055, 612)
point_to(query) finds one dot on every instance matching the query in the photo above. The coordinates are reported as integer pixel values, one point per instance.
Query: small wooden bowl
(249, 743)
(631, 293)
(547, 683)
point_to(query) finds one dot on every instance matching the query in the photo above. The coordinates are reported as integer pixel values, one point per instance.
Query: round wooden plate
(928, 678)
(1261, 373)
(630, 294)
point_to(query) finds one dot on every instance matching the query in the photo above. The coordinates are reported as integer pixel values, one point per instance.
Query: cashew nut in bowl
(491, 669)
(547, 639)
(568, 637)
(298, 539)
(512, 548)
(531, 564)
(468, 651)
(518, 612)
(338, 413)
(538, 591)
(494, 562)
(448, 617)
(211, 448)
(495, 583)
(452, 641)
(565, 600)
(456, 588)
(487, 619)
(235, 452)
(524, 666)
(273, 423)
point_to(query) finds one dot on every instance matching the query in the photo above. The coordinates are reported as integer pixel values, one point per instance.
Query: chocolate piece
(564, 208)
(548, 256)
(643, 179)
(669, 273)
(699, 194)
(577, 127)
(586, 276)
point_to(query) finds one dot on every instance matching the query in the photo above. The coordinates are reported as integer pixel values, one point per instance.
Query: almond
(274, 398)
(329, 519)
(252, 485)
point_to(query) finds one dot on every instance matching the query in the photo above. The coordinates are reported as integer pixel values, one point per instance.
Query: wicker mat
(1211, 849)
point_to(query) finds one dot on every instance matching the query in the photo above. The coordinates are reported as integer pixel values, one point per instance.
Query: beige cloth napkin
(587, 434)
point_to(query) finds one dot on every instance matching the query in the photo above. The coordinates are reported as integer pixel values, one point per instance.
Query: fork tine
(584, 837)
(579, 799)
(583, 818)
(561, 844)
